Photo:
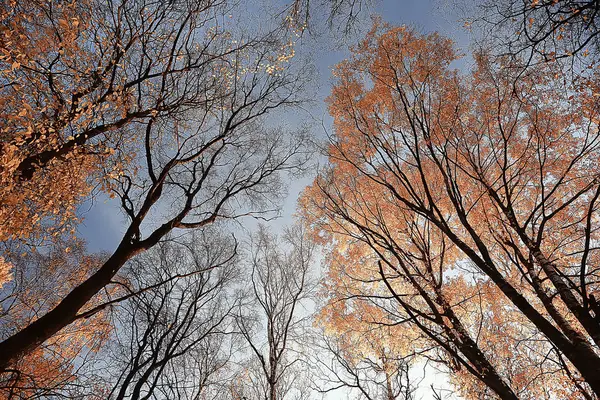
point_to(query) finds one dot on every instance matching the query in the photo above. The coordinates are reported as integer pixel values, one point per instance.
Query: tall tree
(197, 153)
(500, 173)
(281, 281)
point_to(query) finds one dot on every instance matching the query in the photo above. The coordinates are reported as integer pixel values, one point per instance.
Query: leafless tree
(174, 340)
(341, 15)
(542, 31)
(280, 284)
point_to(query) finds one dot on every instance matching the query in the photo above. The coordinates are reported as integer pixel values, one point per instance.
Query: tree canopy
(449, 233)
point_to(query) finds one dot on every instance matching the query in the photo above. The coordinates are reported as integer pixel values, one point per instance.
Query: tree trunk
(65, 312)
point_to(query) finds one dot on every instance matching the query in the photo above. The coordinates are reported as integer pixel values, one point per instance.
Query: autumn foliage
(465, 205)
(42, 60)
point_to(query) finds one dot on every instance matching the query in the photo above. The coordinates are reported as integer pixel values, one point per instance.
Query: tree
(198, 152)
(173, 338)
(543, 31)
(77, 76)
(281, 282)
(78, 79)
(413, 291)
(497, 174)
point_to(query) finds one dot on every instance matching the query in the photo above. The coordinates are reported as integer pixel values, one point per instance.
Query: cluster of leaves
(41, 62)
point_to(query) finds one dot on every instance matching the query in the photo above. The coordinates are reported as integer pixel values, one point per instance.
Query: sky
(103, 224)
